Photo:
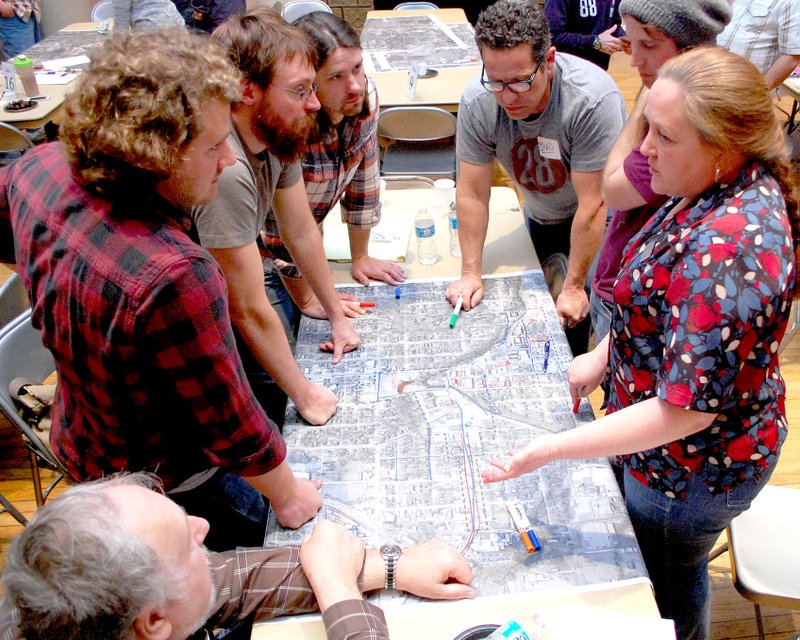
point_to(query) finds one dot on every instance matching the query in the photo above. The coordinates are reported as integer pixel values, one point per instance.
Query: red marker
(577, 405)
(366, 305)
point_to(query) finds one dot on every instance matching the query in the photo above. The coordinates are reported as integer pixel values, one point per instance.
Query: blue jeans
(18, 35)
(236, 512)
(676, 536)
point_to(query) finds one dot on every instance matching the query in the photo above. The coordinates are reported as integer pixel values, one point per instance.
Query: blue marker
(397, 293)
(546, 354)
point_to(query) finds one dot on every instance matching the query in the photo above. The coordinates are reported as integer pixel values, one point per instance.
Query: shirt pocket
(760, 9)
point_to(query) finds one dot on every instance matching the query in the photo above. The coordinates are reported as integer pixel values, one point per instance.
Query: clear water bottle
(452, 224)
(425, 230)
(522, 628)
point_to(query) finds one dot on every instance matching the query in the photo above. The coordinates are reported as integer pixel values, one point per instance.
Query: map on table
(423, 408)
(66, 44)
(397, 43)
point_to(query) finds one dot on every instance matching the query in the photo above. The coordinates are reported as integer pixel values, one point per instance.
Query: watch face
(391, 550)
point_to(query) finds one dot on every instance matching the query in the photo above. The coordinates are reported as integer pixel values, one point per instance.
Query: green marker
(456, 311)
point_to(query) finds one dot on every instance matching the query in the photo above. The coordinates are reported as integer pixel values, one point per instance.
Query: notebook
(387, 241)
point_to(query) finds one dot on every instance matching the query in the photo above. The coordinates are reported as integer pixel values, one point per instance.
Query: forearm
(780, 70)
(585, 235)
(639, 427)
(473, 222)
(618, 192)
(275, 485)
(359, 241)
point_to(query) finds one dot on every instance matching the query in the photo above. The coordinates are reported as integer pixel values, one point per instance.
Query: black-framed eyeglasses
(518, 86)
(303, 92)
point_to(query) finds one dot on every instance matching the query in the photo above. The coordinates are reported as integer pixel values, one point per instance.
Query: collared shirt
(135, 313)
(763, 30)
(264, 584)
(700, 306)
(24, 9)
(342, 167)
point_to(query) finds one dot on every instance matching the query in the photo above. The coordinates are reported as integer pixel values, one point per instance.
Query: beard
(286, 141)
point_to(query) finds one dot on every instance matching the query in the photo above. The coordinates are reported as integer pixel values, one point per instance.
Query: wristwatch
(390, 553)
(597, 44)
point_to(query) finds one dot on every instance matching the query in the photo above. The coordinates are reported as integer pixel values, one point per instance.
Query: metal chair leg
(37, 480)
(10, 508)
(759, 622)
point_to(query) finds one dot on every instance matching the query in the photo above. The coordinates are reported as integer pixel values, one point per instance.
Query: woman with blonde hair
(696, 405)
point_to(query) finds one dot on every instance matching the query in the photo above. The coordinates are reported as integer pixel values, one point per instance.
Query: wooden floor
(732, 615)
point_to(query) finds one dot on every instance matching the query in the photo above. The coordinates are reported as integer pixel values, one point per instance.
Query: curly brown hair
(138, 105)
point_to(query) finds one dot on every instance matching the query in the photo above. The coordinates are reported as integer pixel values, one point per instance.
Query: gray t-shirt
(575, 132)
(237, 215)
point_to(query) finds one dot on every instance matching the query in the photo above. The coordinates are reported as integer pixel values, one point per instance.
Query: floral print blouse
(701, 303)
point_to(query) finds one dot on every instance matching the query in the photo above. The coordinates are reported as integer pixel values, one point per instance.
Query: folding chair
(296, 9)
(421, 141)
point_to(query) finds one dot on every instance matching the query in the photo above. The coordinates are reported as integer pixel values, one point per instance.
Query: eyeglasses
(518, 86)
(302, 92)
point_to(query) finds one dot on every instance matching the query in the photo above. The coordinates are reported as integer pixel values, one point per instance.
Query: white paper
(63, 63)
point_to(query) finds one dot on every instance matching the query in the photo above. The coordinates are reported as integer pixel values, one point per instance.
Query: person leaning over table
(657, 33)
(549, 119)
(269, 128)
(589, 30)
(696, 404)
(342, 158)
(114, 558)
(133, 310)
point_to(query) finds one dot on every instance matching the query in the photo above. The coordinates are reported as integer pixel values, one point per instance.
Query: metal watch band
(390, 553)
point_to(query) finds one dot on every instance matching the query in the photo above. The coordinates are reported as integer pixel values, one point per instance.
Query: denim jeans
(236, 512)
(282, 302)
(676, 536)
(18, 35)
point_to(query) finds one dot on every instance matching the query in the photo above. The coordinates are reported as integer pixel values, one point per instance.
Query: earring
(716, 173)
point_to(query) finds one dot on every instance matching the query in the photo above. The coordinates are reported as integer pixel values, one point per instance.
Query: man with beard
(342, 160)
(270, 125)
(134, 312)
(116, 559)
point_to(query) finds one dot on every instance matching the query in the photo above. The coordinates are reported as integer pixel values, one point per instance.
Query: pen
(365, 305)
(456, 311)
(546, 354)
(577, 405)
(397, 293)
(523, 526)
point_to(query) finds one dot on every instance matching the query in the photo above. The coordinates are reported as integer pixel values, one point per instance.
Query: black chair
(22, 355)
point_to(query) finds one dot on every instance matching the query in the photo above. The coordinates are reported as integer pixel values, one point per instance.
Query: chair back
(296, 9)
(416, 124)
(103, 10)
(22, 355)
(13, 299)
(13, 139)
(407, 6)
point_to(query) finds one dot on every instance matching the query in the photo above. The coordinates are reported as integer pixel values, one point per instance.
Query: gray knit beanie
(688, 22)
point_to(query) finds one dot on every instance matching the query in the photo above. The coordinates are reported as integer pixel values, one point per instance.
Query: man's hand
(6, 9)
(538, 453)
(297, 506)
(332, 559)
(434, 570)
(608, 43)
(572, 305)
(317, 404)
(313, 308)
(343, 339)
(366, 268)
(470, 287)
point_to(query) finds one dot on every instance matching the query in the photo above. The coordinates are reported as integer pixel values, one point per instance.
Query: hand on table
(332, 559)
(350, 306)
(470, 287)
(317, 404)
(536, 454)
(343, 339)
(434, 570)
(366, 268)
(298, 505)
(572, 305)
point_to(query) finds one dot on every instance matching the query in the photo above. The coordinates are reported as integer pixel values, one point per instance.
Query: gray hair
(77, 572)
(508, 23)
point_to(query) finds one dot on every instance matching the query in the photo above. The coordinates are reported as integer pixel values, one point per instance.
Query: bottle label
(511, 631)
(424, 228)
(453, 223)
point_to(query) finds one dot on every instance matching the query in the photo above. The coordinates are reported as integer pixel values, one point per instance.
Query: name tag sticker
(548, 148)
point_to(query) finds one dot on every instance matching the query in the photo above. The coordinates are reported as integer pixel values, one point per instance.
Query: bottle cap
(23, 61)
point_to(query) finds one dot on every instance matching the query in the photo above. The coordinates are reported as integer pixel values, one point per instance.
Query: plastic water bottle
(523, 628)
(452, 224)
(425, 230)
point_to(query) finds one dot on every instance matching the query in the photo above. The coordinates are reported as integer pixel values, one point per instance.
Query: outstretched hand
(536, 454)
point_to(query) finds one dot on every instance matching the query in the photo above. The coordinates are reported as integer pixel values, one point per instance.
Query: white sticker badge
(548, 148)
